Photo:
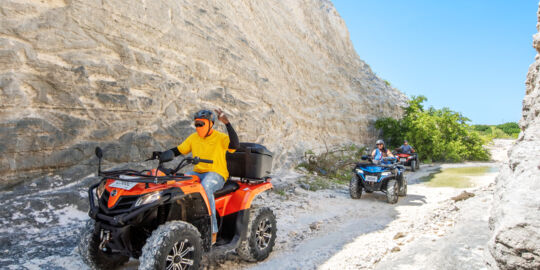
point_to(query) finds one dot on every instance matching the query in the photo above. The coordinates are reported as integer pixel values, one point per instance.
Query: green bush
(502, 131)
(436, 134)
(509, 128)
(481, 128)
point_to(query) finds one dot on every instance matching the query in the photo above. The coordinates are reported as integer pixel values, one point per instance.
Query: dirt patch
(399, 235)
(463, 196)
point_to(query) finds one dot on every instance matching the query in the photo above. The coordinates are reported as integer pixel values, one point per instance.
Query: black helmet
(380, 142)
(205, 114)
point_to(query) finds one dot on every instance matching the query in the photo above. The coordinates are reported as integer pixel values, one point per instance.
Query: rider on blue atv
(380, 151)
(379, 173)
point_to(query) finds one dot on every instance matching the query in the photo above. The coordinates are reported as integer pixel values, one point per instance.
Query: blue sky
(470, 56)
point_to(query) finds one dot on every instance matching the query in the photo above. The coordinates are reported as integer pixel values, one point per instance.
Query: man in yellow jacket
(208, 143)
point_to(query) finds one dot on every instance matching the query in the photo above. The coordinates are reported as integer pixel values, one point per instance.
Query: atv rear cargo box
(251, 161)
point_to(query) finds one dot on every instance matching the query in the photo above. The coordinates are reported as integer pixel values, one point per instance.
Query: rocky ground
(324, 229)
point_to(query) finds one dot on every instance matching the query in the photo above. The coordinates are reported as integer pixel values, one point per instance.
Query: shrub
(509, 128)
(334, 164)
(490, 132)
(481, 128)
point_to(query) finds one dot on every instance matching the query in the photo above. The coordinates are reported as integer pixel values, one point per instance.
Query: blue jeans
(211, 183)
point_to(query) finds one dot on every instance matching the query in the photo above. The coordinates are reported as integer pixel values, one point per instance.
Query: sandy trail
(323, 229)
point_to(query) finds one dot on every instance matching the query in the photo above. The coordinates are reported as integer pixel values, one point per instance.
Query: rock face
(128, 75)
(515, 219)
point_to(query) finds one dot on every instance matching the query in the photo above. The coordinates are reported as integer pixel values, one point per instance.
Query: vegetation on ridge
(508, 130)
(436, 134)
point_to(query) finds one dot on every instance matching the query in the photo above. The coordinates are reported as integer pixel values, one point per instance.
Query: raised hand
(222, 116)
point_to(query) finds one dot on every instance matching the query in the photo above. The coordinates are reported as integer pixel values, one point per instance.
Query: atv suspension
(163, 213)
(105, 237)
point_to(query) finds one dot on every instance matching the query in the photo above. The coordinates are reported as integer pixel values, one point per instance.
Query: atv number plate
(123, 184)
(402, 159)
(371, 178)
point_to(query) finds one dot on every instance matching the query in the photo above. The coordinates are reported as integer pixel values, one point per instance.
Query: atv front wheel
(173, 245)
(413, 165)
(392, 191)
(402, 186)
(260, 235)
(355, 189)
(92, 255)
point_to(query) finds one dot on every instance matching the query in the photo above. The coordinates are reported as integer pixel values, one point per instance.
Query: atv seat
(230, 186)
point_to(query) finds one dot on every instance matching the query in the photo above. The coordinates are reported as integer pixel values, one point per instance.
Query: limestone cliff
(515, 216)
(127, 75)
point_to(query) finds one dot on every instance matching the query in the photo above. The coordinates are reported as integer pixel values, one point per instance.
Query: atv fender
(242, 198)
(197, 188)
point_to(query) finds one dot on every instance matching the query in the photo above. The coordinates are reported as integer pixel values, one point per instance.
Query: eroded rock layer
(515, 216)
(127, 75)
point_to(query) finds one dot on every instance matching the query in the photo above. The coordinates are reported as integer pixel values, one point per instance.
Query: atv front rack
(140, 177)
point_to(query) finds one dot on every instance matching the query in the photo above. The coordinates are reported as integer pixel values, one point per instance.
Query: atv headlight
(385, 174)
(359, 171)
(100, 189)
(148, 198)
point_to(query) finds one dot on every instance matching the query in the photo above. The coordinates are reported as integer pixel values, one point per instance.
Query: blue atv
(378, 175)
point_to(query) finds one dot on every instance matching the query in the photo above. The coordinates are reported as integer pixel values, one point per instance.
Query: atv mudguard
(240, 199)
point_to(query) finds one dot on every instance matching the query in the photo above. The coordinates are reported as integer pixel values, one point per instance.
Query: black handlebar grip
(206, 161)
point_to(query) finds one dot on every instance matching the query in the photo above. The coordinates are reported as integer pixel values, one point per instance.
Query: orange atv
(163, 218)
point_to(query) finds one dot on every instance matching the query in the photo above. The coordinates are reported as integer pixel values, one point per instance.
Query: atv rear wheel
(413, 165)
(417, 164)
(402, 186)
(355, 189)
(173, 245)
(392, 191)
(260, 235)
(92, 255)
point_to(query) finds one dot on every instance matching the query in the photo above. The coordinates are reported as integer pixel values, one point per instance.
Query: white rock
(515, 218)
(74, 74)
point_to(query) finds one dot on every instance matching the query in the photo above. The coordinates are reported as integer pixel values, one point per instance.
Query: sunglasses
(199, 124)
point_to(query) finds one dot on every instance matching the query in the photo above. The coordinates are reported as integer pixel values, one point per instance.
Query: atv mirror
(99, 152)
(166, 156)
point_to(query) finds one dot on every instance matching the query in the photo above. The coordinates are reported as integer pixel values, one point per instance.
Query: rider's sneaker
(214, 237)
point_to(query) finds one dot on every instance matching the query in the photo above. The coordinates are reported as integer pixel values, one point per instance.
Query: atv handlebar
(190, 160)
(141, 177)
(205, 161)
